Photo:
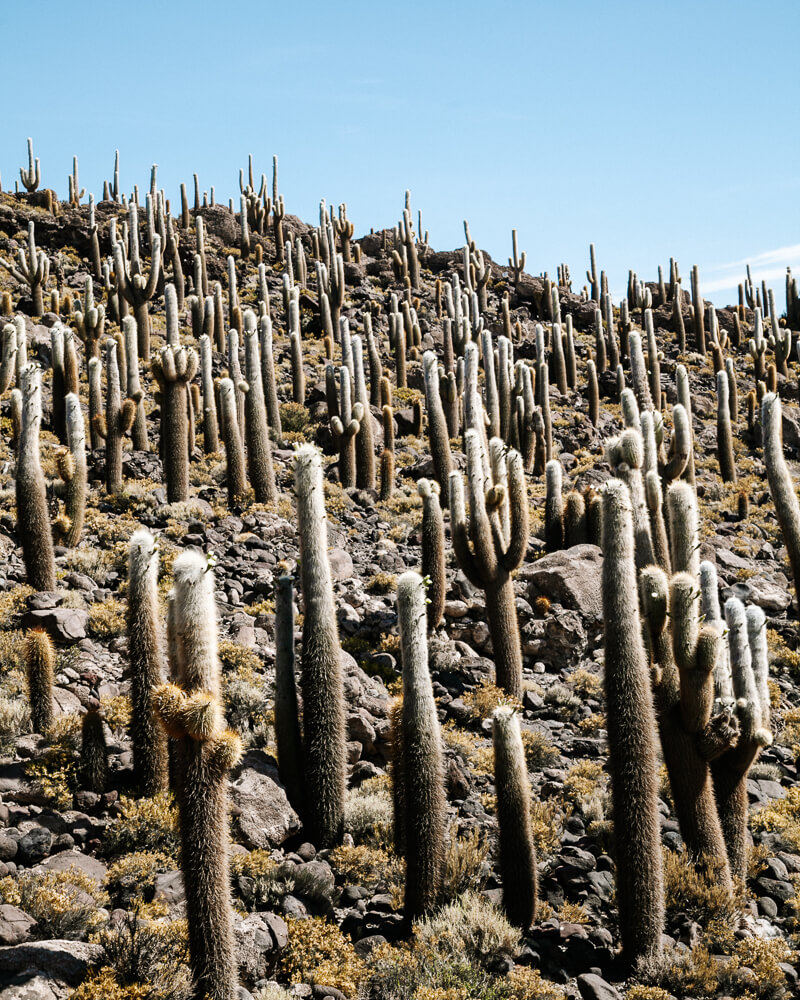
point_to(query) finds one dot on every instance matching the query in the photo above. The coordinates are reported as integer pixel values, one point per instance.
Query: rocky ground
(90, 888)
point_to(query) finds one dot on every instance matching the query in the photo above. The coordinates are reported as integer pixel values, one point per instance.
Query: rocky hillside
(468, 415)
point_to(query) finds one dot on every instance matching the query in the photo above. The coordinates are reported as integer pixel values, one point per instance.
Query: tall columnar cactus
(8, 367)
(781, 485)
(268, 376)
(365, 446)
(73, 471)
(32, 514)
(134, 389)
(684, 529)
(204, 752)
(93, 763)
(517, 851)
(40, 659)
(146, 657)
(236, 477)
(433, 555)
(33, 271)
(731, 767)
(259, 451)
(174, 368)
(631, 726)
(422, 772)
(287, 722)
(487, 554)
(727, 463)
(210, 425)
(117, 422)
(437, 425)
(626, 456)
(321, 678)
(553, 507)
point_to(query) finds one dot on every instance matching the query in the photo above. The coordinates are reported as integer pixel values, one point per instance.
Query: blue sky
(649, 129)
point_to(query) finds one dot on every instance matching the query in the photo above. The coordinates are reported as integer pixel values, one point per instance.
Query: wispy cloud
(769, 266)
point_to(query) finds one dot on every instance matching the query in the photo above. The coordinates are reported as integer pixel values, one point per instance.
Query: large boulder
(265, 817)
(55, 965)
(570, 577)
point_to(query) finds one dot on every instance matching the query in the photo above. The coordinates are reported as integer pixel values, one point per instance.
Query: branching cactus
(345, 427)
(259, 451)
(757, 347)
(422, 772)
(781, 485)
(73, 471)
(631, 726)
(322, 682)
(204, 752)
(32, 177)
(173, 369)
(132, 283)
(32, 514)
(487, 554)
(433, 555)
(33, 271)
(146, 657)
(746, 734)
(517, 851)
(40, 658)
(117, 422)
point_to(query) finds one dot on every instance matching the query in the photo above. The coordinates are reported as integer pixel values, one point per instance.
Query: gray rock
(15, 924)
(593, 987)
(61, 961)
(64, 625)
(265, 817)
(65, 860)
(34, 845)
(570, 577)
(8, 848)
(169, 887)
(341, 564)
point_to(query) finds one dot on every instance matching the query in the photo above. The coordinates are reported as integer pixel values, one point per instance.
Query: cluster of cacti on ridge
(675, 663)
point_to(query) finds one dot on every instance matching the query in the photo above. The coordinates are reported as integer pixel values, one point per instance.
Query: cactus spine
(192, 715)
(118, 420)
(631, 725)
(321, 679)
(146, 656)
(32, 513)
(517, 851)
(423, 766)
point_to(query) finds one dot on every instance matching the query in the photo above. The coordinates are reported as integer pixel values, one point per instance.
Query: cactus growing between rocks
(117, 421)
(287, 723)
(39, 657)
(321, 676)
(631, 725)
(73, 471)
(93, 763)
(422, 771)
(259, 452)
(146, 657)
(517, 851)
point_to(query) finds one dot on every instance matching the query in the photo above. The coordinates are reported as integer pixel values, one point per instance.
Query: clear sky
(650, 129)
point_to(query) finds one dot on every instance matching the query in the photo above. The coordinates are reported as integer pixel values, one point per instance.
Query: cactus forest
(386, 623)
